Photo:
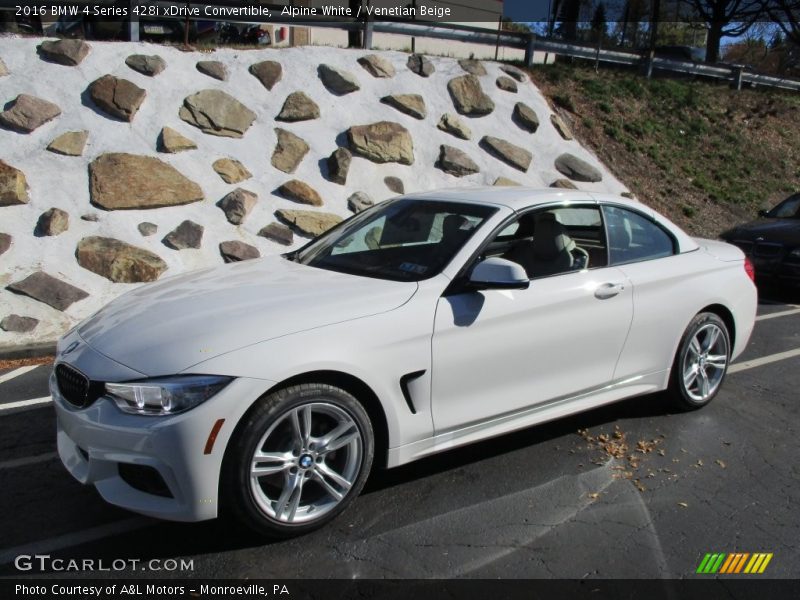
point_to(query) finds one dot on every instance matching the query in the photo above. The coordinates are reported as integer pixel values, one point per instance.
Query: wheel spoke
(306, 422)
(341, 435)
(290, 497)
(336, 494)
(718, 361)
(325, 471)
(711, 338)
(694, 346)
(705, 384)
(276, 462)
(690, 376)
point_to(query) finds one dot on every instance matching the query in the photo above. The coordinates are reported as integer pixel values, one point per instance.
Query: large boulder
(308, 222)
(451, 124)
(216, 113)
(411, 104)
(337, 81)
(472, 66)
(212, 68)
(146, 65)
(28, 113)
(564, 184)
(64, 52)
(18, 324)
(122, 181)
(71, 143)
(289, 151)
(395, 184)
(186, 235)
(298, 107)
(561, 127)
(339, 165)
(299, 191)
(236, 251)
(237, 205)
(117, 97)
(46, 288)
(377, 65)
(577, 169)
(525, 117)
(455, 162)
(468, 96)
(170, 141)
(5, 242)
(13, 186)
(517, 157)
(420, 65)
(118, 261)
(359, 201)
(52, 222)
(268, 72)
(382, 142)
(514, 72)
(278, 232)
(231, 170)
(505, 182)
(506, 84)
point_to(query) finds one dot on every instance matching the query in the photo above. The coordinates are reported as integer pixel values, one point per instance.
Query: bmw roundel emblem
(69, 348)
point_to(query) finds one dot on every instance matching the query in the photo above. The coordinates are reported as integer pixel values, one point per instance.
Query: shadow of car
(772, 242)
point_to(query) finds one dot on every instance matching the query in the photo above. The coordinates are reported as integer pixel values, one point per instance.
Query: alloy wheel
(705, 362)
(306, 463)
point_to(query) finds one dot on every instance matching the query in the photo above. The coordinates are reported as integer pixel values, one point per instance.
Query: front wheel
(701, 363)
(301, 456)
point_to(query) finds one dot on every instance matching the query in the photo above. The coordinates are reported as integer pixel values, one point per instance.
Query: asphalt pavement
(631, 490)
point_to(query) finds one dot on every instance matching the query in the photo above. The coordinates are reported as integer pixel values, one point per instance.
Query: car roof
(518, 197)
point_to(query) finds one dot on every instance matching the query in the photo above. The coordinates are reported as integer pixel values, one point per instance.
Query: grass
(683, 144)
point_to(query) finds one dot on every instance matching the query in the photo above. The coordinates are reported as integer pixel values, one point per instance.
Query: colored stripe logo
(736, 563)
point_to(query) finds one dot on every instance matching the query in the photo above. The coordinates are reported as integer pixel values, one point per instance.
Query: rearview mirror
(498, 274)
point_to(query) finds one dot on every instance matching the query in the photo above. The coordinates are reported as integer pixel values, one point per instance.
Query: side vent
(404, 381)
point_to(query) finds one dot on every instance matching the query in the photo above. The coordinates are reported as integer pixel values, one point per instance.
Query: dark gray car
(772, 242)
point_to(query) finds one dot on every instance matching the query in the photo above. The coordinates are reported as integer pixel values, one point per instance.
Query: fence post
(368, 27)
(738, 71)
(529, 49)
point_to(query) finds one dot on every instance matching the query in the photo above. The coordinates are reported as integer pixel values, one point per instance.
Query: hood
(781, 231)
(166, 327)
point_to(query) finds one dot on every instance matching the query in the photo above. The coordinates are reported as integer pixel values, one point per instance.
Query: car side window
(552, 241)
(633, 237)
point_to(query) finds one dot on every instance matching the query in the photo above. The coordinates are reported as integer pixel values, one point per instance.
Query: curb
(36, 350)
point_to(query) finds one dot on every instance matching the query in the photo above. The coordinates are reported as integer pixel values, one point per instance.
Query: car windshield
(401, 240)
(788, 209)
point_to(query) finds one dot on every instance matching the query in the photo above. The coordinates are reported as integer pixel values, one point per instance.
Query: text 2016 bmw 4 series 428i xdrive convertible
(268, 389)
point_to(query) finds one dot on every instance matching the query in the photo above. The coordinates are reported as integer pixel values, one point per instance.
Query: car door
(495, 352)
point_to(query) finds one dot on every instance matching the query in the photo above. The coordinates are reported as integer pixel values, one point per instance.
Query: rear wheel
(701, 363)
(302, 455)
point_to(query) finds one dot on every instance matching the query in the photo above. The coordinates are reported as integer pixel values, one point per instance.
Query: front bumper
(93, 442)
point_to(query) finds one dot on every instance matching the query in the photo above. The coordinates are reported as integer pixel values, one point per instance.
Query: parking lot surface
(631, 490)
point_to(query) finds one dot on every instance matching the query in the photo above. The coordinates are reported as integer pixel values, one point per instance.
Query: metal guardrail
(530, 43)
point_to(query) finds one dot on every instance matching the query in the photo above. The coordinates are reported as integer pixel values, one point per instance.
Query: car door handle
(608, 290)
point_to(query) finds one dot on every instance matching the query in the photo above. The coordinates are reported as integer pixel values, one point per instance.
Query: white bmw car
(268, 389)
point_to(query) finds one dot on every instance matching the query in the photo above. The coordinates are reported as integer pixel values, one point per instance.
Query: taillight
(749, 269)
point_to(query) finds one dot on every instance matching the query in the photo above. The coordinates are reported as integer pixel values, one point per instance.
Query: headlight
(795, 254)
(166, 395)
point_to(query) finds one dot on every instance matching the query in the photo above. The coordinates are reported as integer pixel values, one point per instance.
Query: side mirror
(763, 213)
(498, 274)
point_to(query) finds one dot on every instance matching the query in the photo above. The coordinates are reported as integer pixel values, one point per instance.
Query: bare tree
(786, 14)
(725, 18)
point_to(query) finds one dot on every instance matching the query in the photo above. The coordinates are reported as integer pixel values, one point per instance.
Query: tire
(329, 473)
(701, 362)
